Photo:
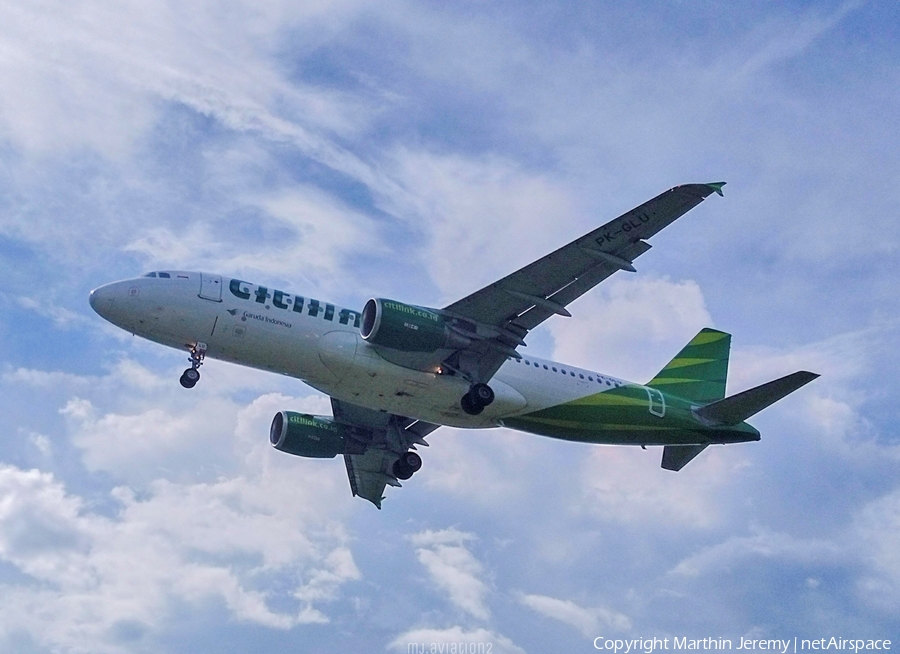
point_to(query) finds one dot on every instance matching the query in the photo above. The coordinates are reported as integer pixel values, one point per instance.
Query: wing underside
(524, 299)
(385, 437)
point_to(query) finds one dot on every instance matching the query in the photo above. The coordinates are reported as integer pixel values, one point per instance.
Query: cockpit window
(150, 275)
(165, 274)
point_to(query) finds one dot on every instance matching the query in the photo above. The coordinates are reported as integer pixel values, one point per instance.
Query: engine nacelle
(407, 328)
(310, 436)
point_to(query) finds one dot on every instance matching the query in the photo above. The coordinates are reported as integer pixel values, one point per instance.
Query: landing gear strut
(191, 376)
(478, 397)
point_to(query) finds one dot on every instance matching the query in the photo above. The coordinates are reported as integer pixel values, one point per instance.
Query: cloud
(317, 235)
(875, 536)
(631, 326)
(481, 217)
(475, 640)
(139, 446)
(735, 551)
(589, 621)
(481, 468)
(178, 542)
(454, 569)
(626, 485)
(100, 84)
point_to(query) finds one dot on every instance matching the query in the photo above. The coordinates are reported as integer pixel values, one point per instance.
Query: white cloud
(41, 443)
(464, 641)
(631, 327)
(321, 234)
(454, 569)
(875, 537)
(484, 217)
(92, 73)
(738, 550)
(97, 571)
(141, 446)
(62, 318)
(589, 621)
(626, 484)
(483, 468)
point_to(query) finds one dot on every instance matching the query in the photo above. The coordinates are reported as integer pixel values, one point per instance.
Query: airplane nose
(101, 300)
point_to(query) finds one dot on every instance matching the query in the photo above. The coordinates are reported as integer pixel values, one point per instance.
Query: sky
(419, 151)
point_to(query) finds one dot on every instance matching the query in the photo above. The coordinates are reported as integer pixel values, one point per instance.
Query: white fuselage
(319, 343)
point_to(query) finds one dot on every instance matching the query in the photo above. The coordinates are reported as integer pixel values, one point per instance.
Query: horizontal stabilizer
(737, 408)
(675, 457)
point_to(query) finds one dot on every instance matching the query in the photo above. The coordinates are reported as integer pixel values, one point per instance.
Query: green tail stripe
(699, 371)
(682, 362)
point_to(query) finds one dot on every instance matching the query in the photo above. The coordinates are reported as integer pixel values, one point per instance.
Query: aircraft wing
(524, 299)
(367, 473)
(385, 437)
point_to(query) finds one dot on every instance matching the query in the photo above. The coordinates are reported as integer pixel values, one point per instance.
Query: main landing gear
(407, 465)
(478, 397)
(191, 376)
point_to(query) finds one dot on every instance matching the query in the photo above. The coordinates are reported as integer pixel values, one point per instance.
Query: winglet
(717, 187)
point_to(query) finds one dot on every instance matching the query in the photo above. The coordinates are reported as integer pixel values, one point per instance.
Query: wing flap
(369, 473)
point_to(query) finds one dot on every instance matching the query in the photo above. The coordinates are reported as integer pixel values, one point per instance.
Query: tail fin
(737, 408)
(698, 372)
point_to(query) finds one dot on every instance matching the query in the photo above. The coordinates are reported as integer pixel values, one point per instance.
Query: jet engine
(310, 436)
(408, 328)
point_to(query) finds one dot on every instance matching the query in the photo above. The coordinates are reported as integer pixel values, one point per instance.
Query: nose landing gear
(191, 376)
(478, 397)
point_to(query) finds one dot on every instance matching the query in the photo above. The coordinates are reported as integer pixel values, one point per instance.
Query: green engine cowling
(310, 436)
(407, 328)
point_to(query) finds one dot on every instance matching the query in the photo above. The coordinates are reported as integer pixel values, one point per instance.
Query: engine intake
(315, 437)
(407, 328)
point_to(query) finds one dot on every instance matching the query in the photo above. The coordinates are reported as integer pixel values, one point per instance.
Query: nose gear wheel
(191, 376)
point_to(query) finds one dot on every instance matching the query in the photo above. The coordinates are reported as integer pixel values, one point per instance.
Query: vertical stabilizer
(698, 372)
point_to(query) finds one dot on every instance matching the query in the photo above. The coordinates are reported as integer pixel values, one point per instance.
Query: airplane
(395, 372)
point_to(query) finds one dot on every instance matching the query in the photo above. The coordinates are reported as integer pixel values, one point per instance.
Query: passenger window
(580, 375)
(554, 370)
(562, 371)
(545, 366)
(590, 379)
